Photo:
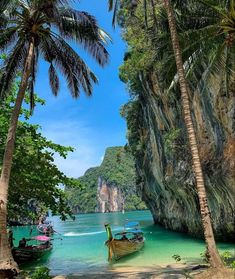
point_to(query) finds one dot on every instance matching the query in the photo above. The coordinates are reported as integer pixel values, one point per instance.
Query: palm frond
(83, 28)
(51, 23)
(69, 63)
(104, 36)
(12, 65)
(110, 5)
(145, 13)
(7, 5)
(50, 7)
(3, 5)
(7, 38)
(114, 6)
(54, 80)
(32, 80)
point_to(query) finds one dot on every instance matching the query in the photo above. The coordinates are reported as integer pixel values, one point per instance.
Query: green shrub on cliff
(170, 140)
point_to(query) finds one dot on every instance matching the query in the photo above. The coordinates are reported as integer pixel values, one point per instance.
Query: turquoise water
(80, 247)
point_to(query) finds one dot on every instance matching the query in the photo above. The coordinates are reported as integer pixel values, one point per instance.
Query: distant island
(108, 188)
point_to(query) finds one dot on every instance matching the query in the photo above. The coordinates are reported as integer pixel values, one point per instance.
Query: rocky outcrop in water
(109, 187)
(109, 197)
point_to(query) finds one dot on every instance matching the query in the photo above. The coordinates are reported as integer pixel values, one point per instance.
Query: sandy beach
(173, 271)
(169, 272)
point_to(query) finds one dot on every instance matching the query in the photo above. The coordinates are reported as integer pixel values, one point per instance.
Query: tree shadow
(168, 272)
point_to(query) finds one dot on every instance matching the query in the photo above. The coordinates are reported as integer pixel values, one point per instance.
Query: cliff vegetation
(156, 130)
(113, 182)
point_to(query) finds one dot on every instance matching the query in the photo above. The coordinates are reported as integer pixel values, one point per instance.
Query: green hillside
(117, 169)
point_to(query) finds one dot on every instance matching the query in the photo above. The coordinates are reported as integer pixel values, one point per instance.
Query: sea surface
(79, 246)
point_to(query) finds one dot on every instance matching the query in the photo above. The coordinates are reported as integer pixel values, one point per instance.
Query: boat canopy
(135, 231)
(129, 231)
(42, 238)
(132, 224)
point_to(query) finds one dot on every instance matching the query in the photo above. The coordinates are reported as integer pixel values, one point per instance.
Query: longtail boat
(130, 240)
(32, 252)
(46, 228)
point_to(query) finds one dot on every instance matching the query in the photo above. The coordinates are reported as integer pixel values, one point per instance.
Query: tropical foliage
(41, 272)
(200, 60)
(41, 29)
(50, 24)
(35, 179)
(197, 23)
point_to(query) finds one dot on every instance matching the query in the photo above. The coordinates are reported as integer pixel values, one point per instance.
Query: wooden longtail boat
(46, 228)
(125, 242)
(32, 252)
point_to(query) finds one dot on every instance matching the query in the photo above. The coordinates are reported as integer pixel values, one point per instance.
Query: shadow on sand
(175, 271)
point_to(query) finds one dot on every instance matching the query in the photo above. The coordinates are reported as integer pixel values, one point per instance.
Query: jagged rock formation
(109, 187)
(157, 137)
(109, 197)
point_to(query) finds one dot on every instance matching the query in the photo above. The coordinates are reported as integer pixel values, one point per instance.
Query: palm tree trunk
(154, 14)
(213, 255)
(7, 264)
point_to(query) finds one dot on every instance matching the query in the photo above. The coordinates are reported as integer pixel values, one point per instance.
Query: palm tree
(212, 253)
(30, 28)
(200, 23)
(219, 58)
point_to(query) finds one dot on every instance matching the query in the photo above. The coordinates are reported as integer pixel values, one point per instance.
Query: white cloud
(79, 136)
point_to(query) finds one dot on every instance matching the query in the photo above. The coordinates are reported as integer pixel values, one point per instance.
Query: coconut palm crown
(199, 23)
(51, 25)
(30, 29)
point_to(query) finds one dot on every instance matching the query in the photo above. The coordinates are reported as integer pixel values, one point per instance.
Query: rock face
(109, 187)
(158, 140)
(109, 197)
(156, 130)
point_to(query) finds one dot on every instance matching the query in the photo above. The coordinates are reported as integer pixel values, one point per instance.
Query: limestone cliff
(165, 177)
(109, 187)
(109, 197)
(157, 134)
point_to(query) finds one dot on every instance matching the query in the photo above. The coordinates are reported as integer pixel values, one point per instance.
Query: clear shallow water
(80, 245)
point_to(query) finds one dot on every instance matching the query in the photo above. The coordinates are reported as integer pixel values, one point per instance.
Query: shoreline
(172, 271)
(164, 271)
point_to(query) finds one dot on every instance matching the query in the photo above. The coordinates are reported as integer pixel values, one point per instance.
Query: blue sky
(88, 124)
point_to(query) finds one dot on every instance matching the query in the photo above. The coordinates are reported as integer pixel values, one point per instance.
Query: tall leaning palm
(213, 255)
(33, 29)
